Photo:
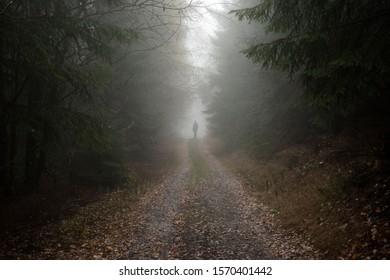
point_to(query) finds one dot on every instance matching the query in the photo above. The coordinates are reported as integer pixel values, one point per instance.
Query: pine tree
(339, 50)
(55, 57)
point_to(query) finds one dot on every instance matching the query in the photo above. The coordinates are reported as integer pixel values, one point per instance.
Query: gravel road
(214, 218)
(210, 218)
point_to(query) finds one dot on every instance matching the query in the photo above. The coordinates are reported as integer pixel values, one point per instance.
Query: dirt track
(211, 219)
(214, 218)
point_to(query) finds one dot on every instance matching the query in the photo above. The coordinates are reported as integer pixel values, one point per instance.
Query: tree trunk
(386, 148)
(34, 96)
(4, 162)
(29, 162)
(4, 139)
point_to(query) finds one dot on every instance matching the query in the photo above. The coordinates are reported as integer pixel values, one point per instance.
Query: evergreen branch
(7, 7)
(384, 13)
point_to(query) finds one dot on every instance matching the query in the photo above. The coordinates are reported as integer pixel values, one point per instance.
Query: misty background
(87, 86)
(98, 95)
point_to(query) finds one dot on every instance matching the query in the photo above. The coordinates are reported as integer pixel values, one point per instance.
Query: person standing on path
(195, 129)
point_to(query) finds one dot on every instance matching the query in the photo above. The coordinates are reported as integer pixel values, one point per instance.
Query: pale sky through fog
(199, 49)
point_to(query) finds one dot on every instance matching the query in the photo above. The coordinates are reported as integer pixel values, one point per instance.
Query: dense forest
(335, 57)
(90, 90)
(80, 80)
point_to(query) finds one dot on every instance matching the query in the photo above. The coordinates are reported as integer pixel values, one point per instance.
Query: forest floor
(332, 189)
(199, 210)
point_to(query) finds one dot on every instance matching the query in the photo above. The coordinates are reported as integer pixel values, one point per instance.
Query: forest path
(210, 216)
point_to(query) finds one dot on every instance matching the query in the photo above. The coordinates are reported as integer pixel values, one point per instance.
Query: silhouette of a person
(195, 129)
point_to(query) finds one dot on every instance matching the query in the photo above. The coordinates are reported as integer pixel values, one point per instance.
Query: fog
(200, 28)
(195, 113)
(96, 97)
(200, 50)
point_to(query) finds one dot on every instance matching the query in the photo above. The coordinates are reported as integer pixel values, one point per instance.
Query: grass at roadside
(199, 169)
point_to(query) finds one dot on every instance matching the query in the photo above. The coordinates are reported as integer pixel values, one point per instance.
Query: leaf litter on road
(212, 218)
